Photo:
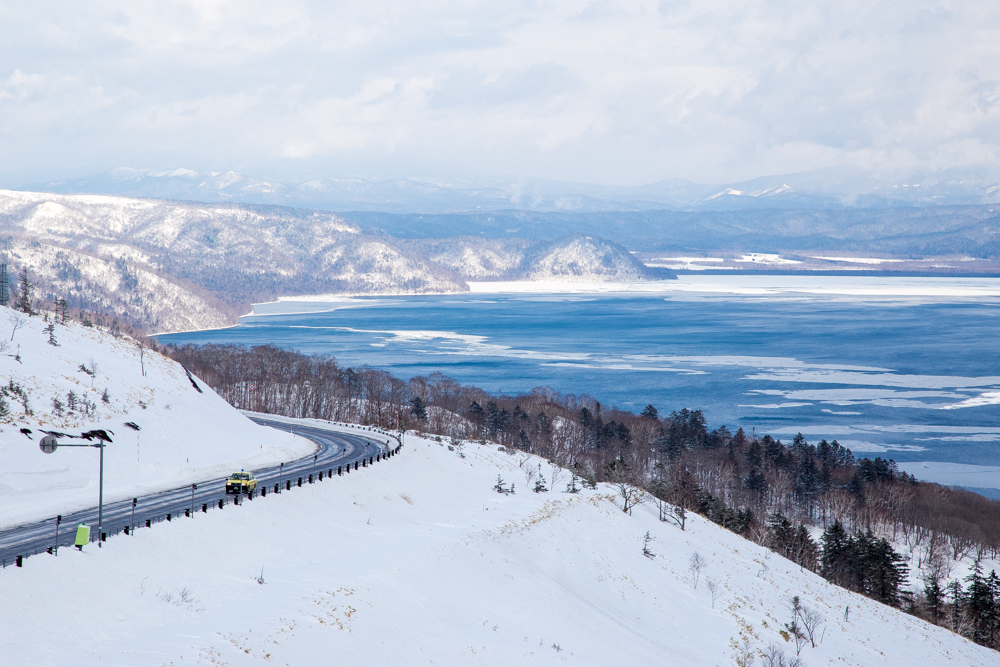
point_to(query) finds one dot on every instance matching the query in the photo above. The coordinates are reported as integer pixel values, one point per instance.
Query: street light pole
(100, 500)
(49, 445)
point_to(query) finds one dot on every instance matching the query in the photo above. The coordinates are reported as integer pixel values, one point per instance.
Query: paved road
(338, 448)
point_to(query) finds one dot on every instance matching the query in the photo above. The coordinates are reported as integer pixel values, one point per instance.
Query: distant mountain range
(824, 189)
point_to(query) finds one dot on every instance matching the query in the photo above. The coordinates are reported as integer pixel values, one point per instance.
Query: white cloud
(626, 92)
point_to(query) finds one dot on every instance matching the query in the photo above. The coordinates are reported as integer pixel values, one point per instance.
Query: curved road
(337, 449)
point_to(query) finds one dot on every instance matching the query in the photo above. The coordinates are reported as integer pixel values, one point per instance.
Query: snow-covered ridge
(574, 258)
(422, 562)
(92, 380)
(173, 266)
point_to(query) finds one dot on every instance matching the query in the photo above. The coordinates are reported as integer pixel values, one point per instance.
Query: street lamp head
(48, 444)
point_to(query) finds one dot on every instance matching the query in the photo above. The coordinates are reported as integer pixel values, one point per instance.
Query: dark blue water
(916, 378)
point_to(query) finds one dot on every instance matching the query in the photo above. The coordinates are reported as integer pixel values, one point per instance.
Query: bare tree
(17, 321)
(628, 483)
(812, 621)
(697, 564)
(774, 656)
(713, 590)
(793, 628)
(555, 474)
(140, 344)
(670, 512)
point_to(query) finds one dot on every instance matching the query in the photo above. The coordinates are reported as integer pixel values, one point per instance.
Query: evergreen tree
(807, 483)
(477, 415)
(754, 455)
(523, 441)
(418, 408)
(933, 598)
(836, 558)
(885, 571)
(980, 600)
(650, 412)
(24, 293)
(955, 591)
(755, 481)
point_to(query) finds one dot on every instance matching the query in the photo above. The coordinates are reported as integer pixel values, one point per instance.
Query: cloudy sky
(604, 92)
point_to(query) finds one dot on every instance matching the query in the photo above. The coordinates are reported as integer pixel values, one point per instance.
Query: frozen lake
(904, 367)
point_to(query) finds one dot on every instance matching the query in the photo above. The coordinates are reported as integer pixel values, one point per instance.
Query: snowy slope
(417, 561)
(186, 435)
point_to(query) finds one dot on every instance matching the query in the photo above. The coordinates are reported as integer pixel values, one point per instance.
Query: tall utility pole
(4, 286)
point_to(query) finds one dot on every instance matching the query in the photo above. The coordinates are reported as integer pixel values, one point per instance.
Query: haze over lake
(901, 367)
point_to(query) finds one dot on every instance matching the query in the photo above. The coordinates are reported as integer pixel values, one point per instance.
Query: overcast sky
(604, 92)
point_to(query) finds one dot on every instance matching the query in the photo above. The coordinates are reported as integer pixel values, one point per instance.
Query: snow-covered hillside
(418, 560)
(171, 266)
(574, 258)
(586, 258)
(92, 380)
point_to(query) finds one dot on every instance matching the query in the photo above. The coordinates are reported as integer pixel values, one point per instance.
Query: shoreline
(709, 283)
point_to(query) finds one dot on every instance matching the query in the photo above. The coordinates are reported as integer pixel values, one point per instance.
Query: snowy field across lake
(417, 561)
(900, 367)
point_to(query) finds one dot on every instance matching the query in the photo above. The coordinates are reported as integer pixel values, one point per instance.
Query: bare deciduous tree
(697, 564)
(812, 621)
(17, 321)
(713, 590)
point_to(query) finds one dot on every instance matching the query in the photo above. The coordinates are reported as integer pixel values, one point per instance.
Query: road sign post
(58, 521)
(135, 501)
(193, 487)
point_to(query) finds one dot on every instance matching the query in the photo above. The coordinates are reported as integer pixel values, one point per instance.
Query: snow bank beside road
(185, 435)
(417, 560)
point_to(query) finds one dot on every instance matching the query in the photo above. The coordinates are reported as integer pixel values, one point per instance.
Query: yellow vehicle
(241, 482)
